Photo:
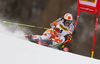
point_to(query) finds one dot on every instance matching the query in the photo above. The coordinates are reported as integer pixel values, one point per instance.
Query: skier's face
(67, 23)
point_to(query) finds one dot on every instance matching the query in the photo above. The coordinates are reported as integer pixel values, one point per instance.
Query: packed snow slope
(17, 51)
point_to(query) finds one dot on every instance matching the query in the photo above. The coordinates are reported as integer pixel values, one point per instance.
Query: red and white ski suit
(53, 35)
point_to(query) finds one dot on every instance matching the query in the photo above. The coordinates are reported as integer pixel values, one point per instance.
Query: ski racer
(59, 28)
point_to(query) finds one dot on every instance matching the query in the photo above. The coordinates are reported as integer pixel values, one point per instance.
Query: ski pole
(58, 45)
(26, 25)
(68, 39)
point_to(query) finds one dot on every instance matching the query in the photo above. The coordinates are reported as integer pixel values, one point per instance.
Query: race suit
(53, 35)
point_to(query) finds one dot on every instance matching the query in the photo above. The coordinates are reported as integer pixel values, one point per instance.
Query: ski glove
(56, 29)
(69, 39)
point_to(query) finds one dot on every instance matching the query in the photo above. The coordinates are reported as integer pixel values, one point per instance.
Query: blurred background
(43, 12)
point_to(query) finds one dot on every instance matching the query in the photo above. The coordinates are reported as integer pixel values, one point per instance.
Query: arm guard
(55, 22)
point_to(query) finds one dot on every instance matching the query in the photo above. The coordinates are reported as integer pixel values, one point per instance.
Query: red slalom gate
(90, 6)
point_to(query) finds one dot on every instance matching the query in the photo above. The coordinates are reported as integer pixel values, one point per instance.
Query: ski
(47, 43)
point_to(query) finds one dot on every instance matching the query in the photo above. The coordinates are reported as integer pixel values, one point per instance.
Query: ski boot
(29, 37)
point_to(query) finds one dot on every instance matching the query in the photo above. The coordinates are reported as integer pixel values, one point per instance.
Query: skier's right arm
(55, 23)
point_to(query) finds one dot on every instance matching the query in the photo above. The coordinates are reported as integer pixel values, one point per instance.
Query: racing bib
(61, 26)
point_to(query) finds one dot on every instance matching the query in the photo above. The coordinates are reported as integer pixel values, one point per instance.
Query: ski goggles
(68, 22)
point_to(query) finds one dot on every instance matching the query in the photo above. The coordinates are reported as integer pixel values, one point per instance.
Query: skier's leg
(58, 40)
(47, 34)
(46, 37)
(50, 35)
(36, 37)
(33, 38)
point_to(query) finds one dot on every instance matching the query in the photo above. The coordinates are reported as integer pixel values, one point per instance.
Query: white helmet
(68, 16)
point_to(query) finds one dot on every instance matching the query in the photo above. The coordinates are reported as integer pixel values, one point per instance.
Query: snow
(18, 51)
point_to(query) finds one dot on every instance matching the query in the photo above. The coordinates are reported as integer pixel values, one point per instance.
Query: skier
(59, 28)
